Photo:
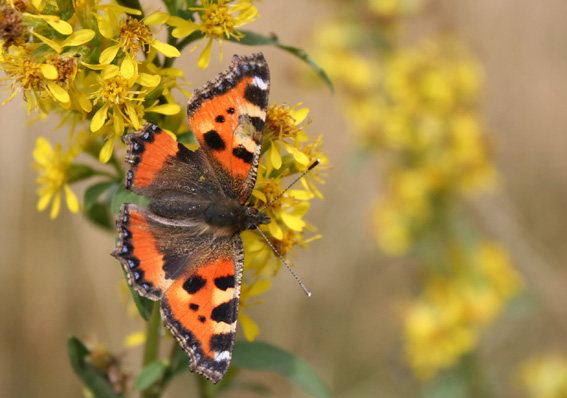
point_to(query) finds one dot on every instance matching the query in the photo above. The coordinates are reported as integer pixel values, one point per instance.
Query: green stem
(152, 347)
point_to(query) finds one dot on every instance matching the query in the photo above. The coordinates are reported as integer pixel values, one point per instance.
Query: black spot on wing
(242, 153)
(194, 284)
(202, 319)
(256, 96)
(220, 119)
(221, 342)
(225, 312)
(230, 110)
(214, 141)
(224, 282)
(257, 122)
(194, 306)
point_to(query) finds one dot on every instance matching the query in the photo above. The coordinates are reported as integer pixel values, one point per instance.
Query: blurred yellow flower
(545, 376)
(53, 168)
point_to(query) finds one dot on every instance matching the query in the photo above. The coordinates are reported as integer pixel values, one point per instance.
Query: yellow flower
(218, 21)
(119, 95)
(53, 168)
(545, 376)
(134, 35)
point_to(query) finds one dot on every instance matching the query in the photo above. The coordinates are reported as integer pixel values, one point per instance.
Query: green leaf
(187, 137)
(93, 378)
(258, 355)
(123, 195)
(78, 172)
(143, 304)
(99, 214)
(150, 374)
(256, 39)
(93, 192)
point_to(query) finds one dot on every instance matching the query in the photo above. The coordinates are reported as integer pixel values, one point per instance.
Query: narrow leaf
(258, 355)
(151, 373)
(93, 378)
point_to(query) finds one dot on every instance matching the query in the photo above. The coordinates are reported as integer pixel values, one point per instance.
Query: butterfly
(185, 248)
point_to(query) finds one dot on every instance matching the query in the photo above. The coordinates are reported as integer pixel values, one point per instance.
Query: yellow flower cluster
(416, 106)
(287, 152)
(426, 116)
(545, 377)
(446, 320)
(98, 64)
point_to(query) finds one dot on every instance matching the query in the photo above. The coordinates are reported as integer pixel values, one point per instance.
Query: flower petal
(47, 41)
(274, 155)
(133, 116)
(157, 18)
(72, 202)
(44, 200)
(108, 55)
(99, 118)
(58, 92)
(293, 222)
(205, 56)
(127, 68)
(166, 49)
(106, 151)
(249, 327)
(147, 80)
(78, 38)
(299, 115)
(49, 71)
(56, 205)
(118, 122)
(104, 27)
(275, 230)
(184, 30)
(135, 339)
(109, 72)
(43, 151)
(165, 109)
(61, 26)
(83, 100)
(259, 287)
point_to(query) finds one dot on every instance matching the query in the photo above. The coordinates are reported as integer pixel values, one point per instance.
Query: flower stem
(152, 347)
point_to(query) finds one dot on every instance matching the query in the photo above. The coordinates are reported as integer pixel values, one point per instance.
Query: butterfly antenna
(307, 292)
(315, 163)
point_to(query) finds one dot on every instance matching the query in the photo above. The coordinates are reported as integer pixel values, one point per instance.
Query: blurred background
(369, 330)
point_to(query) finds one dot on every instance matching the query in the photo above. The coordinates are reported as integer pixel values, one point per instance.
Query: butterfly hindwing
(227, 116)
(201, 309)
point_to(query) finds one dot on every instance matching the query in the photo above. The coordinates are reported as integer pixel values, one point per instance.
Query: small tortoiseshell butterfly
(185, 248)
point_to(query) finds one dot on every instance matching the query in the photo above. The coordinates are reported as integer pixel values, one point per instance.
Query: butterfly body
(222, 217)
(184, 248)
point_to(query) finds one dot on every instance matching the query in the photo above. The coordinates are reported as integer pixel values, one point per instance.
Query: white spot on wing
(222, 356)
(261, 84)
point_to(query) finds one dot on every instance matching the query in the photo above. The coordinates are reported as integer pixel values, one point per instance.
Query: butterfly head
(255, 218)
